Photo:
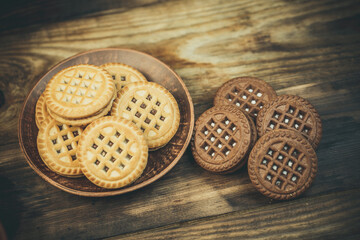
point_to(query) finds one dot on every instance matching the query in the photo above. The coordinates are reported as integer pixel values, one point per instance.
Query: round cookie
(282, 164)
(82, 121)
(123, 74)
(248, 93)
(79, 91)
(221, 140)
(57, 144)
(252, 140)
(253, 131)
(41, 113)
(112, 152)
(152, 108)
(291, 112)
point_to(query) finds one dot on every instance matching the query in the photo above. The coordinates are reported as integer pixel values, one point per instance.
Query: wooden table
(307, 48)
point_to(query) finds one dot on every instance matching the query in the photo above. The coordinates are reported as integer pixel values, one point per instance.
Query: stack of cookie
(75, 138)
(79, 94)
(282, 163)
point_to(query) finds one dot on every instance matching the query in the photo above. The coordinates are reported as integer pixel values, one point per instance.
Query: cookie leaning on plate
(152, 108)
(57, 145)
(83, 121)
(123, 74)
(79, 91)
(41, 112)
(112, 152)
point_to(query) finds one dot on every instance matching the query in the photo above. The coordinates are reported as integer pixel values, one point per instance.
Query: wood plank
(334, 216)
(37, 12)
(219, 41)
(308, 48)
(185, 193)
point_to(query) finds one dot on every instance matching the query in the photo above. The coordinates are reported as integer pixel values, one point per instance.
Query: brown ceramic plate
(160, 161)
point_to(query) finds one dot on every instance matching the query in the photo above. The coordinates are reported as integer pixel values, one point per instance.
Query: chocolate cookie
(253, 131)
(222, 138)
(282, 164)
(248, 93)
(291, 112)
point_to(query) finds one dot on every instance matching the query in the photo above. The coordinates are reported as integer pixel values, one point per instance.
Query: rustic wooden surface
(308, 48)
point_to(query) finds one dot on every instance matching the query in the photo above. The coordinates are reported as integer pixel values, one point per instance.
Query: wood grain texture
(308, 220)
(308, 48)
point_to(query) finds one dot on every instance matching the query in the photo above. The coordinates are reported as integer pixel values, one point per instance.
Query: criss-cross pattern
(283, 167)
(218, 137)
(123, 74)
(290, 118)
(65, 139)
(121, 79)
(249, 98)
(111, 151)
(80, 87)
(148, 111)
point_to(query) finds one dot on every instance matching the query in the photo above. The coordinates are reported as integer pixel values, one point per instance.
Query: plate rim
(120, 190)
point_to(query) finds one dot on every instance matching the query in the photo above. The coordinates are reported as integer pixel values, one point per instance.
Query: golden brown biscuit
(79, 91)
(57, 144)
(112, 152)
(82, 121)
(41, 113)
(152, 108)
(123, 74)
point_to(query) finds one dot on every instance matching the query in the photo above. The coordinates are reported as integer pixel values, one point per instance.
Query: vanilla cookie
(152, 108)
(82, 121)
(112, 152)
(41, 113)
(123, 74)
(57, 144)
(79, 91)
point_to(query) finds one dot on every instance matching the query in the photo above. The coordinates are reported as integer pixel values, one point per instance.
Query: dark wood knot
(2, 98)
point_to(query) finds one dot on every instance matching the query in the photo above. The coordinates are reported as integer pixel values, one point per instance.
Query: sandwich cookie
(123, 74)
(248, 93)
(222, 139)
(57, 145)
(282, 164)
(41, 113)
(79, 91)
(152, 108)
(83, 121)
(112, 152)
(291, 112)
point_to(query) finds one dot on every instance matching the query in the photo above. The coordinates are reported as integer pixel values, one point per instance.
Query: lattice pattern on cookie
(122, 78)
(112, 152)
(148, 111)
(283, 167)
(218, 138)
(123, 74)
(78, 86)
(290, 118)
(249, 98)
(64, 140)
